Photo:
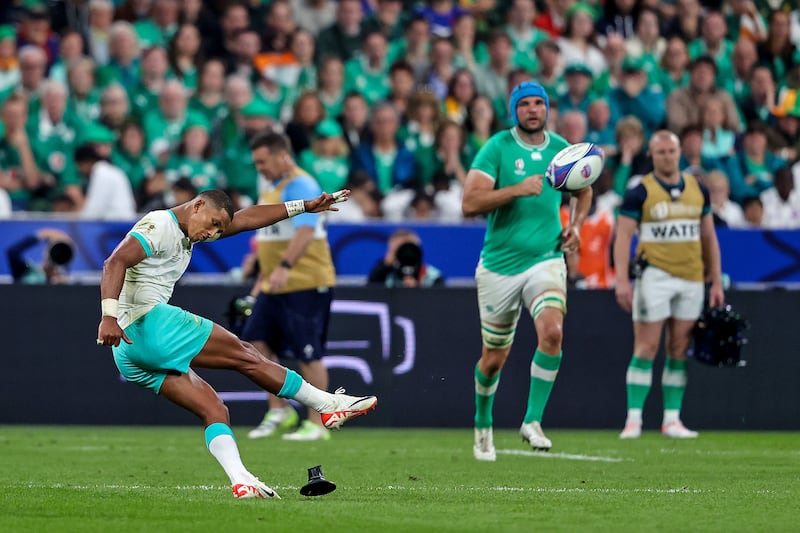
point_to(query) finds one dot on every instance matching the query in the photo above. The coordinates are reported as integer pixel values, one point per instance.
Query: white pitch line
(569, 456)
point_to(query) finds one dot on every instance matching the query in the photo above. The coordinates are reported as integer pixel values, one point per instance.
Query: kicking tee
(151, 281)
(526, 230)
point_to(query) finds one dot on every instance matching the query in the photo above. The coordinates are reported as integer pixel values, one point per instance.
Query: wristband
(110, 307)
(295, 207)
(285, 264)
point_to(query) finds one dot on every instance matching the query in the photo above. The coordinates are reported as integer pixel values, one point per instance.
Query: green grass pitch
(84, 479)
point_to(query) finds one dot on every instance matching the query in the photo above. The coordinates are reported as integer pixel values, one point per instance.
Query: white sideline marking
(570, 456)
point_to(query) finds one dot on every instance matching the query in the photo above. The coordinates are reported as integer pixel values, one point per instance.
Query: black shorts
(293, 325)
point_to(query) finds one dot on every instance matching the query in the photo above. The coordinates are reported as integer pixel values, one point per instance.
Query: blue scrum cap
(523, 90)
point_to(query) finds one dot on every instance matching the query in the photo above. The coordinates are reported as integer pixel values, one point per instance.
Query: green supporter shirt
(11, 162)
(373, 84)
(422, 146)
(526, 230)
(137, 167)
(238, 169)
(202, 173)
(330, 172)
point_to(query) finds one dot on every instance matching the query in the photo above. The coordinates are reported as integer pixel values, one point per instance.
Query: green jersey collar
(530, 147)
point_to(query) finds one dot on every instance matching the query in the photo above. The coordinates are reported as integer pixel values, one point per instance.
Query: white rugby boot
(345, 407)
(483, 449)
(532, 434)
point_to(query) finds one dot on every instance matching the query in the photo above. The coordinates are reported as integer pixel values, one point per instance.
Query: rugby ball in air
(576, 167)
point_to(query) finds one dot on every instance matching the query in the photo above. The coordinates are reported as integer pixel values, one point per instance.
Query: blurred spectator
(383, 157)
(9, 63)
(619, 17)
(314, 15)
(404, 264)
(759, 94)
(330, 81)
(579, 43)
(437, 78)
(193, 157)
(712, 43)
(524, 36)
(368, 73)
(492, 78)
(745, 22)
(755, 165)
(553, 19)
(647, 43)
(123, 62)
(209, 99)
(52, 132)
(144, 95)
(35, 30)
(464, 42)
(185, 55)
(279, 26)
(414, 46)
(481, 124)
(615, 55)
(572, 126)
(327, 159)
(303, 73)
(684, 104)
(727, 213)
(692, 159)
(245, 45)
(550, 69)
(631, 161)
(84, 96)
(133, 10)
(590, 266)
(401, 85)
(777, 50)
(753, 211)
(686, 23)
(182, 191)
(600, 128)
(58, 254)
(460, 93)
(441, 14)
(743, 60)
(635, 98)
(101, 17)
(717, 140)
(108, 191)
(419, 134)
(164, 124)
(70, 50)
(20, 176)
(786, 136)
(355, 117)
(343, 38)
(130, 157)
(576, 95)
(365, 199)
(32, 66)
(607, 197)
(273, 95)
(448, 178)
(673, 72)
(160, 26)
(114, 107)
(782, 202)
(237, 163)
(234, 20)
(307, 113)
(388, 19)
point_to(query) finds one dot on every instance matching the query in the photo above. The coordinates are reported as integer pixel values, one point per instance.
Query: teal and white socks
(295, 387)
(673, 384)
(544, 369)
(638, 381)
(485, 389)
(222, 445)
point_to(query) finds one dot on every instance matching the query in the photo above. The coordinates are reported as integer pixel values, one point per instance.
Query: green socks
(673, 384)
(485, 388)
(544, 369)
(638, 380)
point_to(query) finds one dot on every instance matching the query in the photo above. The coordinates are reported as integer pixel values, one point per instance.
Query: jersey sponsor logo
(664, 210)
(520, 164)
(536, 156)
(679, 230)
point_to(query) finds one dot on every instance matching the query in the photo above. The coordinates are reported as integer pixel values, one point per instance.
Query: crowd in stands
(109, 108)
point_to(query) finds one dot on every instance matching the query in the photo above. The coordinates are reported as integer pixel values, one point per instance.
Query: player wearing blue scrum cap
(522, 259)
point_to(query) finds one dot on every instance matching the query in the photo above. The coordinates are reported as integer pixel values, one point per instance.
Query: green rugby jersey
(527, 230)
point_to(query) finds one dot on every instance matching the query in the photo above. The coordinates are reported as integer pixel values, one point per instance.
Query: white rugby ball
(576, 167)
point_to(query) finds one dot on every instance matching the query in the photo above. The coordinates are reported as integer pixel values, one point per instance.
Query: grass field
(80, 479)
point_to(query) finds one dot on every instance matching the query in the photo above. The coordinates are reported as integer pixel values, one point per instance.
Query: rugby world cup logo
(586, 172)
(520, 164)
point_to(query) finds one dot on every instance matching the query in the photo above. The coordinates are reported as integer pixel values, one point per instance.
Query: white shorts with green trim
(659, 295)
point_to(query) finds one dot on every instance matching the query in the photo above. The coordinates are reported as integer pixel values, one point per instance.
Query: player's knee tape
(495, 337)
(550, 298)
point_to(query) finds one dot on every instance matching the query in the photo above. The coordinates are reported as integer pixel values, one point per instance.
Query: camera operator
(404, 264)
(58, 254)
